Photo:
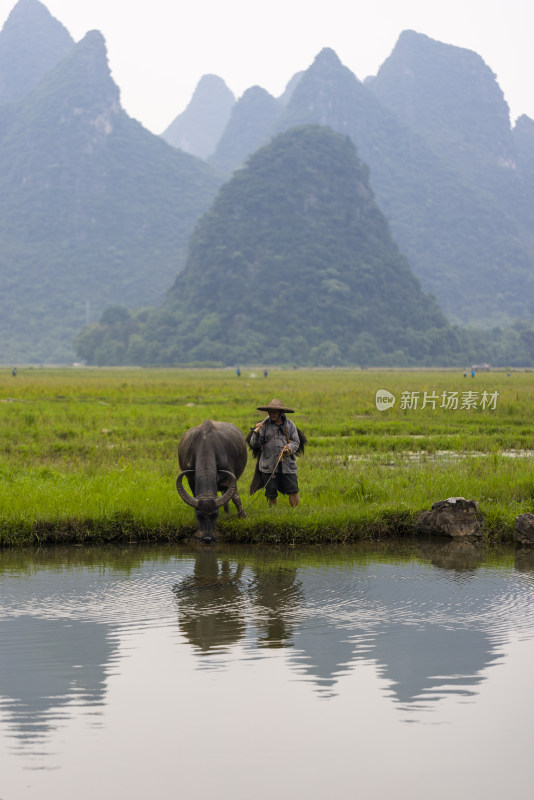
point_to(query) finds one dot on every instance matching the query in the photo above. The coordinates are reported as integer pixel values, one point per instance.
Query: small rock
(524, 528)
(455, 517)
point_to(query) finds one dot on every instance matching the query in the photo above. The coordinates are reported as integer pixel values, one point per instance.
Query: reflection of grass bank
(122, 557)
(92, 454)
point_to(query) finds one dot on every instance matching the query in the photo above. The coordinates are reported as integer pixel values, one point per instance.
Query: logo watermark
(384, 400)
(449, 401)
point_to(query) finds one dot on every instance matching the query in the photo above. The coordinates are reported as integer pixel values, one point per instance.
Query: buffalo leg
(239, 505)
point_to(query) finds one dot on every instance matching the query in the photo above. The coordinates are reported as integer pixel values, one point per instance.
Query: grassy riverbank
(92, 454)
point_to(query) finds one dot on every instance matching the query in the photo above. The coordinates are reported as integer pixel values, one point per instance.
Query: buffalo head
(206, 504)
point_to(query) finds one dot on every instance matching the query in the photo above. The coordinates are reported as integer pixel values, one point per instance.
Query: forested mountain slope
(252, 117)
(451, 98)
(198, 129)
(471, 247)
(32, 41)
(94, 209)
(294, 262)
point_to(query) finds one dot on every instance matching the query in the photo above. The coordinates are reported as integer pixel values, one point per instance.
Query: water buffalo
(212, 456)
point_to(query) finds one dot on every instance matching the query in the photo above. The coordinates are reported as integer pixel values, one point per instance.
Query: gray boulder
(455, 517)
(524, 528)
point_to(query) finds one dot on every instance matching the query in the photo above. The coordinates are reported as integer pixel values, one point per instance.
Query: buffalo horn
(191, 501)
(224, 498)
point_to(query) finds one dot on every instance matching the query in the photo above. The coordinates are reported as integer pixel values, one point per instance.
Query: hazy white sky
(159, 49)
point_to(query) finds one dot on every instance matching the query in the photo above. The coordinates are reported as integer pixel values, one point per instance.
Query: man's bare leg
(293, 500)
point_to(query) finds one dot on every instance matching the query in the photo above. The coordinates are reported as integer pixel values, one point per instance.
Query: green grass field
(91, 454)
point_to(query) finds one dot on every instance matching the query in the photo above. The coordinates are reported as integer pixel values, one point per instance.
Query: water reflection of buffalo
(211, 614)
(212, 456)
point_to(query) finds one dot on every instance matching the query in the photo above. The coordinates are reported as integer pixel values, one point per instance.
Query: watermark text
(449, 401)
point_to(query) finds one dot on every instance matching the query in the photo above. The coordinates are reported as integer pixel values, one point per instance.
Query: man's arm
(257, 438)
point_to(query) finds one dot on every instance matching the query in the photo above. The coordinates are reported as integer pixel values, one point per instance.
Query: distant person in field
(276, 441)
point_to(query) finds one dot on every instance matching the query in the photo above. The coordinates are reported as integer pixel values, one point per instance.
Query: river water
(394, 671)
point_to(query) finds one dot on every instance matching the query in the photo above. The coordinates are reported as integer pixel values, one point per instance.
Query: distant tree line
(118, 339)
